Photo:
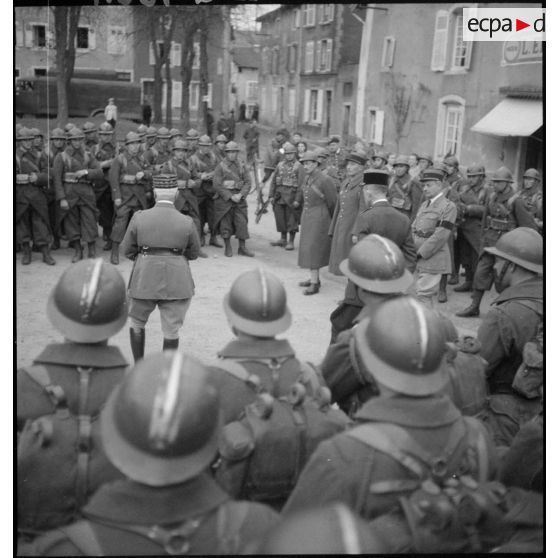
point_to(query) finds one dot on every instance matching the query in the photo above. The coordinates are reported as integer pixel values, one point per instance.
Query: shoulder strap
(354, 361)
(511, 201)
(310, 376)
(84, 437)
(321, 195)
(40, 375)
(229, 525)
(233, 367)
(82, 535)
(66, 158)
(123, 161)
(480, 446)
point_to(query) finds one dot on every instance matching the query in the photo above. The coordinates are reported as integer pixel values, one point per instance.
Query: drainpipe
(365, 45)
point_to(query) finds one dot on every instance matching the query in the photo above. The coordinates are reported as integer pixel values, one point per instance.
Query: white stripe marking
(348, 531)
(90, 289)
(265, 298)
(423, 330)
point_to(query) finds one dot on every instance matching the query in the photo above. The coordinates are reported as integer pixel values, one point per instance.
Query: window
(176, 94)
(39, 72)
(196, 62)
(176, 54)
(292, 102)
(324, 55)
(194, 94)
(309, 57)
(313, 106)
(448, 32)
(124, 75)
(292, 58)
(275, 62)
(308, 15)
(19, 35)
(375, 126)
(251, 89)
(297, 18)
(85, 38)
(449, 128)
(160, 46)
(327, 13)
(16, 72)
(388, 52)
(461, 58)
(116, 41)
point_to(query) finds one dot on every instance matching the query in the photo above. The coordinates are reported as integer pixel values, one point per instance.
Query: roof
(512, 117)
(273, 13)
(246, 57)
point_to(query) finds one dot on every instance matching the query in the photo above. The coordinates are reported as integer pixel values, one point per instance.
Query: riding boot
(442, 294)
(242, 250)
(55, 244)
(78, 251)
(454, 279)
(290, 244)
(473, 309)
(137, 342)
(26, 259)
(170, 343)
(91, 251)
(114, 256)
(228, 247)
(282, 242)
(47, 258)
(214, 242)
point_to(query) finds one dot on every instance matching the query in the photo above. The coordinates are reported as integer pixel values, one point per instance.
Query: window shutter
(311, 14)
(438, 61)
(320, 106)
(297, 18)
(176, 57)
(92, 39)
(28, 35)
(329, 55)
(19, 34)
(379, 128)
(196, 62)
(164, 96)
(318, 56)
(306, 105)
(209, 95)
(176, 94)
(151, 55)
(469, 54)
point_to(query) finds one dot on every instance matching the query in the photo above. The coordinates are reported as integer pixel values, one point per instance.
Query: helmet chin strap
(500, 277)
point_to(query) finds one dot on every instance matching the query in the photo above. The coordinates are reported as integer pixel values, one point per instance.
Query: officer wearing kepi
(161, 429)
(160, 240)
(504, 211)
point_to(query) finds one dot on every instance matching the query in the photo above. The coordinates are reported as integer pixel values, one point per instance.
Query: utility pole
(365, 45)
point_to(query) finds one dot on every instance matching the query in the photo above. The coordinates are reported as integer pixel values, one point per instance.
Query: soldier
(220, 144)
(322, 155)
(404, 192)
(38, 142)
(175, 134)
(504, 211)
(223, 126)
(379, 160)
(424, 162)
(204, 161)
(337, 159)
(257, 311)
(57, 145)
(90, 131)
(158, 154)
(432, 227)
(349, 205)
(317, 197)
(470, 202)
(42, 162)
(160, 240)
(128, 176)
(32, 217)
(532, 195)
(252, 138)
(272, 156)
(286, 182)
(377, 271)
(87, 306)
(160, 428)
(192, 138)
(232, 182)
(105, 152)
(74, 170)
(409, 433)
(513, 320)
(150, 140)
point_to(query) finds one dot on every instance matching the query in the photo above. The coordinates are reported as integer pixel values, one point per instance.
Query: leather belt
(422, 234)
(156, 251)
(128, 179)
(22, 179)
(499, 224)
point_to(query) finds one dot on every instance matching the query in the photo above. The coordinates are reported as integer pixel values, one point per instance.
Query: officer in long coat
(232, 181)
(317, 197)
(286, 181)
(160, 240)
(432, 227)
(74, 170)
(409, 432)
(512, 321)
(504, 211)
(168, 503)
(349, 205)
(32, 217)
(129, 178)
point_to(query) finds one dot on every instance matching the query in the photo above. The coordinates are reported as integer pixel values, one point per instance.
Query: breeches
(426, 286)
(80, 221)
(484, 274)
(123, 214)
(106, 209)
(235, 221)
(287, 218)
(172, 313)
(30, 225)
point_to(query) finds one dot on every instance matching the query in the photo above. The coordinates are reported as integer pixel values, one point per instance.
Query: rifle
(261, 210)
(261, 207)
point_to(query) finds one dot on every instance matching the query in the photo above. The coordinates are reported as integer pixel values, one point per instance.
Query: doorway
(346, 121)
(329, 95)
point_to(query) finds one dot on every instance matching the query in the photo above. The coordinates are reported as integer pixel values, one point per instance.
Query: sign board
(522, 52)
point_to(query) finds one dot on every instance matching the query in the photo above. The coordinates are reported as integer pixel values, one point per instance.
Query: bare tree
(204, 33)
(66, 19)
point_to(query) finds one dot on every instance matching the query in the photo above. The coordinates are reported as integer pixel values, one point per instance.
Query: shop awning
(512, 117)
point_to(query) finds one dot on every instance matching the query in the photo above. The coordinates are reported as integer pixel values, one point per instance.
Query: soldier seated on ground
(257, 311)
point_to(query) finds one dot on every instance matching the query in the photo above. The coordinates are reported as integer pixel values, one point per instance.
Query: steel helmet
(142, 129)
(18, 127)
(89, 127)
(376, 264)
(503, 174)
(69, 126)
(163, 133)
(151, 132)
(257, 304)
(57, 134)
(75, 133)
(381, 155)
(451, 161)
(532, 173)
(522, 246)
(232, 146)
(132, 137)
(105, 128)
(221, 137)
(289, 148)
(88, 304)
(475, 170)
(426, 158)
(334, 139)
(25, 134)
(309, 156)
(36, 132)
(204, 140)
(192, 134)
(320, 152)
(174, 132)
(161, 425)
(180, 144)
(401, 160)
(402, 346)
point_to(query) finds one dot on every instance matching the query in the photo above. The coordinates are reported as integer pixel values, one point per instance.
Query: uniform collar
(428, 412)
(382, 202)
(530, 288)
(436, 198)
(129, 502)
(82, 354)
(164, 203)
(266, 348)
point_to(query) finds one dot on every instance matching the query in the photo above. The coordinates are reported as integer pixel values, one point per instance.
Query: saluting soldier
(129, 181)
(285, 183)
(32, 217)
(404, 191)
(432, 227)
(504, 211)
(204, 161)
(532, 195)
(232, 181)
(57, 145)
(74, 170)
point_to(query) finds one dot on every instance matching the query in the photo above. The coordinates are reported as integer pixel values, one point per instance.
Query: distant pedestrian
(256, 112)
(252, 138)
(242, 112)
(232, 125)
(209, 121)
(111, 113)
(146, 112)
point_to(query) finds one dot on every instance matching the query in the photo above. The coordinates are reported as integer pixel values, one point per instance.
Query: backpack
(60, 460)
(467, 386)
(465, 453)
(175, 541)
(262, 454)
